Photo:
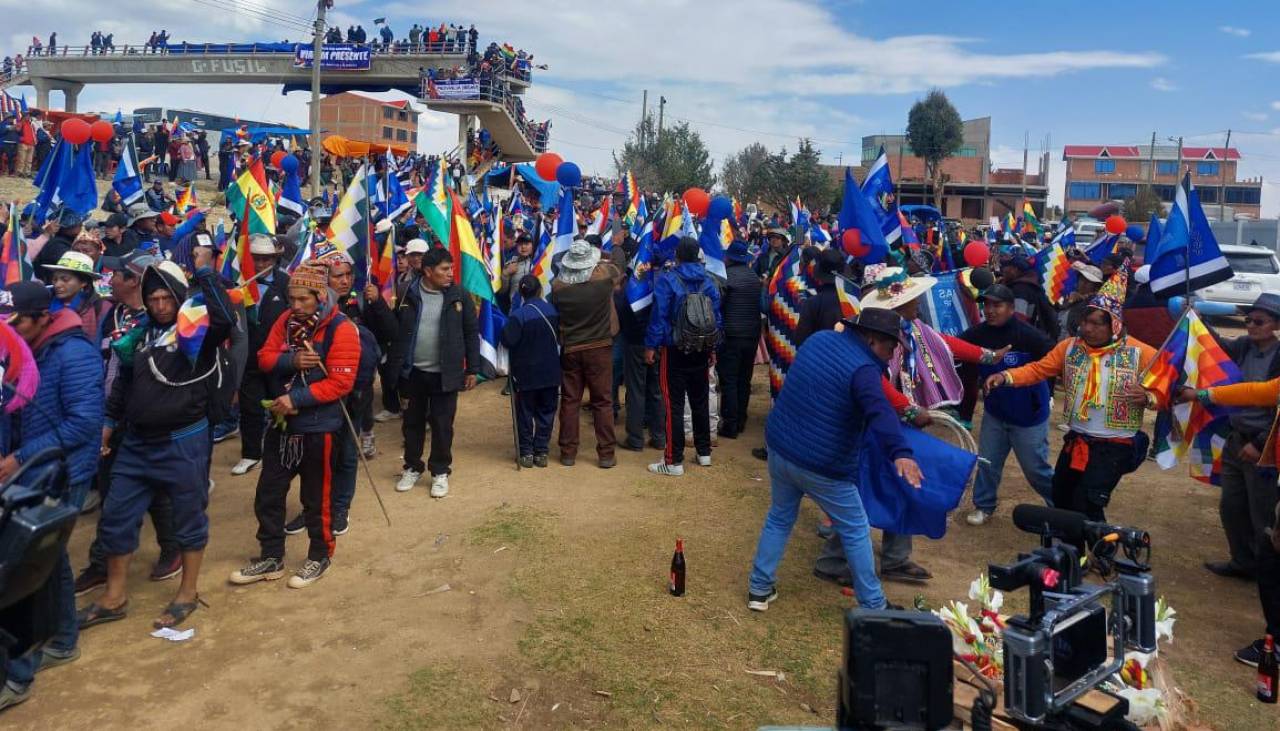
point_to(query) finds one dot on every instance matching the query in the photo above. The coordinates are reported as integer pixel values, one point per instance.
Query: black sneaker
(631, 446)
(526, 460)
(91, 578)
(761, 602)
(760, 453)
(340, 524)
(1251, 654)
(166, 567)
(259, 569)
(309, 574)
(295, 526)
(540, 460)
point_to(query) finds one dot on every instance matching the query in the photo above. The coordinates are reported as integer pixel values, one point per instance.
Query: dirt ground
(556, 591)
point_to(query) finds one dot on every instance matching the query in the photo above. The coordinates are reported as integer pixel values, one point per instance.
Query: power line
(234, 6)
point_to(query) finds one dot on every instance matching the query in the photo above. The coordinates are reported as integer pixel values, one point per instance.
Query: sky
(742, 71)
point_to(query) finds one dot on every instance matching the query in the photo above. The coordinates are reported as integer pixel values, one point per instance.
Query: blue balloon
(1135, 232)
(568, 174)
(721, 207)
(289, 164)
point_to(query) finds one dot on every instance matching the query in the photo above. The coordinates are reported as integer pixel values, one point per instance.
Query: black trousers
(428, 405)
(734, 367)
(643, 398)
(161, 510)
(1089, 490)
(684, 375)
(313, 458)
(1269, 586)
(253, 418)
(390, 395)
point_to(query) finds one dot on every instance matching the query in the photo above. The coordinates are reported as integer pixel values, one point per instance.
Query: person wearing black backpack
(684, 330)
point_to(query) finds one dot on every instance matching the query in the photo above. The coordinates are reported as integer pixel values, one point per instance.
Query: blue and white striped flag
(877, 188)
(1187, 257)
(128, 181)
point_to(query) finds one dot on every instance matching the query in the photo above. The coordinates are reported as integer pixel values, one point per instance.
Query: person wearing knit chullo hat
(313, 351)
(1104, 401)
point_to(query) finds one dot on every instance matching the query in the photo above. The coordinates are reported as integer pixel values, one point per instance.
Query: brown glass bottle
(676, 587)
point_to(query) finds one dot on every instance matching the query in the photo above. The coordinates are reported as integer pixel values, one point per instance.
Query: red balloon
(547, 164)
(698, 201)
(851, 240)
(976, 254)
(75, 130)
(102, 131)
(276, 157)
(1116, 224)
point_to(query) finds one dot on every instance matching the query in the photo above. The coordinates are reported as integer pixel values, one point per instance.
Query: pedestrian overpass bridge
(401, 66)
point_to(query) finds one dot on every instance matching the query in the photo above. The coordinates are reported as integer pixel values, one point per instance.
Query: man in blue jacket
(532, 337)
(684, 368)
(832, 399)
(66, 413)
(1012, 418)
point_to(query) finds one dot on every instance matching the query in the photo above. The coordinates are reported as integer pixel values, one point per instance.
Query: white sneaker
(704, 460)
(978, 517)
(662, 468)
(439, 485)
(408, 480)
(385, 416)
(212, 485)
(244, 466)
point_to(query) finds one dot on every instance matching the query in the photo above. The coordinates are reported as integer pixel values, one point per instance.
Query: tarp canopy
(924, 213)
(343, 147)
(548, 190)
(258, 134)
(186, 48)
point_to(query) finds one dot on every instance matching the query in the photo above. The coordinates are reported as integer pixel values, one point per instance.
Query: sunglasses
(1259, 321)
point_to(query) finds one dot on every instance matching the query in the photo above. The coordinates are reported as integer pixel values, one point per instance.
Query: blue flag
(1102, 247)
(291, 194)
(566, 224)
(492, 353)
(855, 212)
(79, 190)
(893, 505)
(945, 306)
(128, 179)
(712, 244)
(878, 189)
(1154, 230)
(55, 165)
(640, 283)
(1187, 257)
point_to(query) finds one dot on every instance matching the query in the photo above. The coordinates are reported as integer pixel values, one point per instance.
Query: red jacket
(316, 393)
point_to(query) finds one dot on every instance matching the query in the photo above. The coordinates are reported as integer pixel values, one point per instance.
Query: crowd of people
(300, 363)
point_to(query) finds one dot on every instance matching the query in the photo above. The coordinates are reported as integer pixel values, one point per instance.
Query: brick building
(1100, 173)
(358, 117)
(972, 191)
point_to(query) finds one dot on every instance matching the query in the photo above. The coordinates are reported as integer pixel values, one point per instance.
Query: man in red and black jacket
(311, 355)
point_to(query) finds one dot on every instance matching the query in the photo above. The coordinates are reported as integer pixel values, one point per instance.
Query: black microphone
(1073, 527)
(1065, 524)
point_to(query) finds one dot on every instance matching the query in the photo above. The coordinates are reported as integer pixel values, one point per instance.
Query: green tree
(748, 174)
(806, 178)
(935, 132)
(674, 161)
(1139, 208)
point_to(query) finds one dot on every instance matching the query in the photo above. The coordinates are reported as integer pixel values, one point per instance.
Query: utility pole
(1222, 179)
(840, 159)
(1026, 140)
(317, 53)
(901, 144)
(662, 107)
(1151, 164)
(644, 115)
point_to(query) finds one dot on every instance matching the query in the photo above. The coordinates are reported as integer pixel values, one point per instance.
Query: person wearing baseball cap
(1013, 418)
(65, 412)
(65, 224)
(831, 400)
(113, 235)
(1019, 274)
(273, 302)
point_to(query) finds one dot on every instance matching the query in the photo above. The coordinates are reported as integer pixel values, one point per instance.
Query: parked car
(1256, 271)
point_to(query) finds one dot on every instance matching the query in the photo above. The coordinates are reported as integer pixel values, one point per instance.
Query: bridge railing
(395, 48)
(494, 93)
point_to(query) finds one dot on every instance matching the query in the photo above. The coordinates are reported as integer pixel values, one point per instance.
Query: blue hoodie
(667, 295)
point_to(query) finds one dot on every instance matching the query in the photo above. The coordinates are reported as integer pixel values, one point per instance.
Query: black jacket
(740, 302)
(155, 407)
(274, 303)
(459, 336)
(817, 313)
(1033, 306)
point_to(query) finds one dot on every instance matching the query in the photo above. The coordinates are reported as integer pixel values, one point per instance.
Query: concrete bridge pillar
(70, 92)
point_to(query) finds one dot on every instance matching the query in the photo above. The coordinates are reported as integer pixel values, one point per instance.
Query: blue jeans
(1030, 444)
(840, 500)
(23, 669)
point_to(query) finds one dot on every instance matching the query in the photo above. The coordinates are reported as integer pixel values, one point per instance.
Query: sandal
(97, 614)
(178, 612)
(909, 572)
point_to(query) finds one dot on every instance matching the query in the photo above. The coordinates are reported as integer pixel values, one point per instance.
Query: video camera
(1058, 651)
(35, 523)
